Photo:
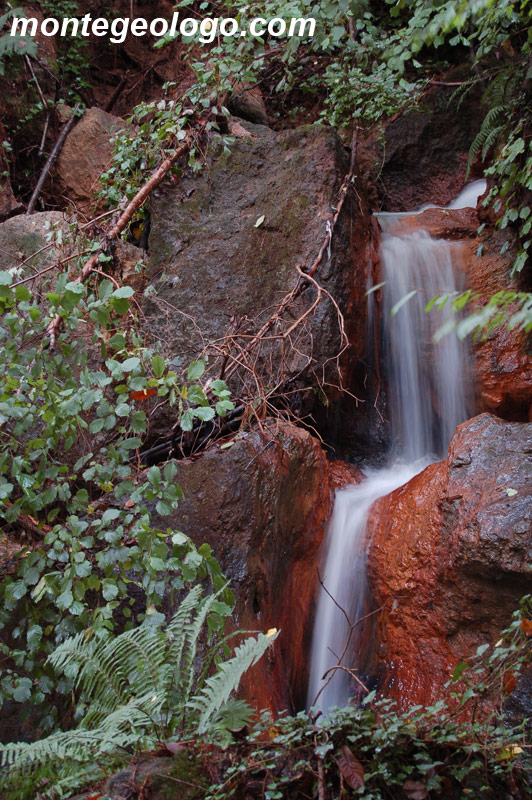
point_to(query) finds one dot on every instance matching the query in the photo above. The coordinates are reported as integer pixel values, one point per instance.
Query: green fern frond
(132, 685)
(210, 655)
(176, 633)
(138, 654)
(489, 124)
(14, 45)
(493, 136)
(461, 92)
(191, 648)
(88, 661)
(219, 687)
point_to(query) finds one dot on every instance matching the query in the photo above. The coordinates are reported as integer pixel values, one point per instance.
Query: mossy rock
(39, 240)
(180, 777)
(225, 245)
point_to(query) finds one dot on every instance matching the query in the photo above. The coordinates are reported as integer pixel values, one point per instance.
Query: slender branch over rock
(122, 218)
(51, 158)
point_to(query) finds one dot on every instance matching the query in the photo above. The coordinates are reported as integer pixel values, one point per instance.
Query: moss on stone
(184, 780)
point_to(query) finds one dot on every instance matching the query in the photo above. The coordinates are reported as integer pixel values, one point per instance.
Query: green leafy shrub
(75, 499)
(73, 59)
(160, 127)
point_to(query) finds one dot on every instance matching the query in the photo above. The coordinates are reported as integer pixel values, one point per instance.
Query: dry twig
(51, 158)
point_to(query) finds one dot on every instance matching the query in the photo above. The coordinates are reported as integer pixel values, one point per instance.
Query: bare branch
(51, 158)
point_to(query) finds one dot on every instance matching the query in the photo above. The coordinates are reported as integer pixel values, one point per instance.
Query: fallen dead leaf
(415, 790)
(351, 768)
(240, 132)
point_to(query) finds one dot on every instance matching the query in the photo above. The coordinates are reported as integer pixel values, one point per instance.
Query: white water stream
(427, 397)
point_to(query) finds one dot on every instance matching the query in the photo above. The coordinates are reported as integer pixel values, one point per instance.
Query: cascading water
(427, 397)
(427, 401)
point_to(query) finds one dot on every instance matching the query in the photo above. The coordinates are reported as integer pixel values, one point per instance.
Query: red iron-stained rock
(263, 505)
(504, 360)
(450, 556)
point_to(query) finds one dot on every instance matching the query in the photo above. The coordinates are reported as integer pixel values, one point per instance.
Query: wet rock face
(443, 223)
(504, 359)
(450, 556)
(87, 152)
(263, 506)
(9, 205)
(425, 156)
(215, 265)
(247, 102)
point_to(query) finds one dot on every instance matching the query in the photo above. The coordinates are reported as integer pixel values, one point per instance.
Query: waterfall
(428, 399)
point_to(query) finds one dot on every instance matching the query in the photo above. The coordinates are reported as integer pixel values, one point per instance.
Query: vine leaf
(400, 303)
(415, 790)
(351, 768)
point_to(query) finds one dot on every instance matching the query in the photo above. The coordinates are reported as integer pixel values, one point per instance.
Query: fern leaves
(496, 121)
(14, 45)
(219, 687)
(136, 687)
(492, 128)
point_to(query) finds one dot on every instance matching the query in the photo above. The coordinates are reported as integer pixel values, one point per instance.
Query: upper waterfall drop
(427, 392)
(428, 384)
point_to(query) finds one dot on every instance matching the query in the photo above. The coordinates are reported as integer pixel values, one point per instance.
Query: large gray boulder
(224, 247)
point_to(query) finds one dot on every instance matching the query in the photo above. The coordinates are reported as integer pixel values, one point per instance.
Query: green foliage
(134, 690)
(418, 754)
(511, 172)
(493, 125)
(13, 45)
(506, 308)
(353, 71)
(455, 748)
(160, 127)
(355, 96)
(73, 60)
(501, 30)
(73, 423)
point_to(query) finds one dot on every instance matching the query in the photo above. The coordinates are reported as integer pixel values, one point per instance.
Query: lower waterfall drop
(428, 399)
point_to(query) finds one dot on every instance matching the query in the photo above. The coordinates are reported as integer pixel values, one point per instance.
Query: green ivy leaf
(196, 370)
(205, 413)
(158, 366)
(131, 364)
